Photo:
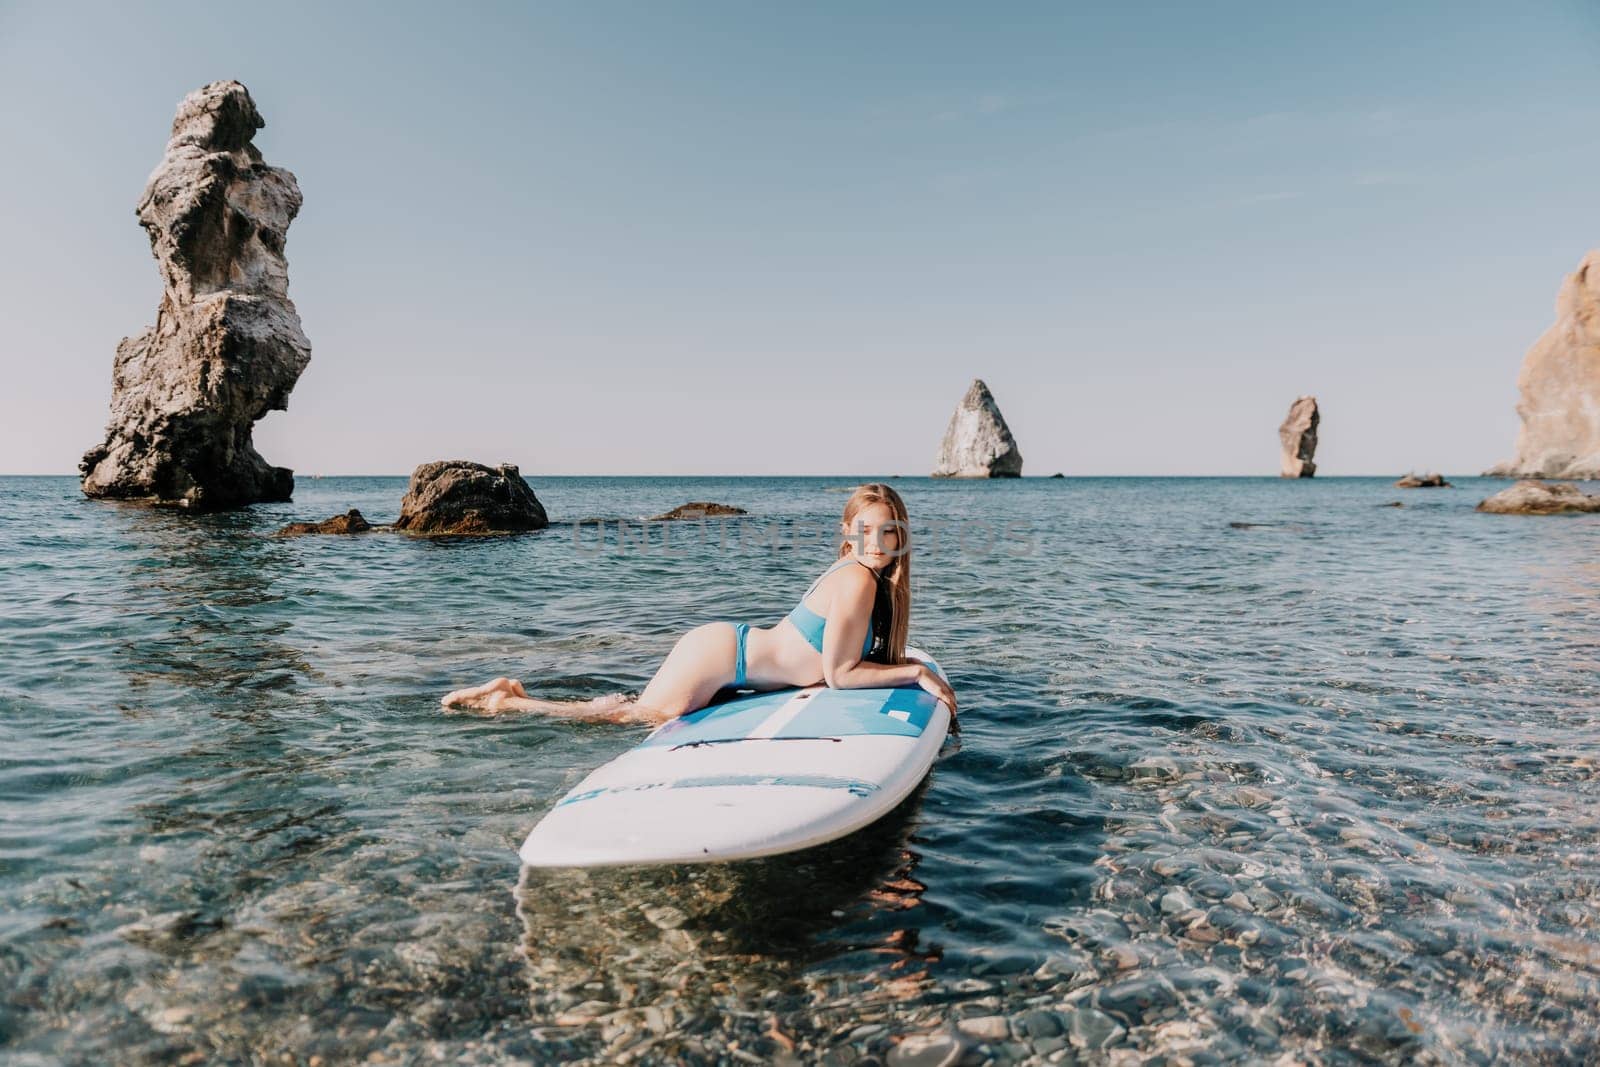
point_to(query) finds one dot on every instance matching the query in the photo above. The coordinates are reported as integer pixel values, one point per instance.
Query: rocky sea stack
(1298, 437)
(978, 444)
(1560, 388)
(461, 497)
(226, 346)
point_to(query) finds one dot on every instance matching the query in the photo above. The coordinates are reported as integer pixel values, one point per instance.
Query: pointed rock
(1560, 388)
(1298, 435)
(226, 346)
(978, 444)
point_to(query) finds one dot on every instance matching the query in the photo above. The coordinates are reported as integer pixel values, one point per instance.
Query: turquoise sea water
(1249, 769)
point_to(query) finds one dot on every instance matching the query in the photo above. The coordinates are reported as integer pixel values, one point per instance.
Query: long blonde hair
(898, 572)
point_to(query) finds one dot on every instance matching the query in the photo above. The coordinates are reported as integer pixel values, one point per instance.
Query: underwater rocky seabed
(1321, 786)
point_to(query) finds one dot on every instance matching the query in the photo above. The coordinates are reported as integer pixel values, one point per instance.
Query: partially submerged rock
(698, 509)
(1560, 388)
(226, 346)
(1541, 498)
(351, 522)
(1422, 481)
(460, 497)
(977, 443)
(1298, 437)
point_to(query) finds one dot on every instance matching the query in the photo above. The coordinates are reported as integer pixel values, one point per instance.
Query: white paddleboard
(756, 776)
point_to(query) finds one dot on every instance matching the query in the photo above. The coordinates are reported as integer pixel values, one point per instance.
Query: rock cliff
(226, 346)
(977, 443)
(1298, 436)
(1560, 388)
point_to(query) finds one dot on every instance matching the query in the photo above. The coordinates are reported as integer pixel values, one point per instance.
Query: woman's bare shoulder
(838, 580)
(851, 580)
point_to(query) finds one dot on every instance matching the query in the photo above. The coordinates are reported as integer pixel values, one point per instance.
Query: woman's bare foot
(486, 696)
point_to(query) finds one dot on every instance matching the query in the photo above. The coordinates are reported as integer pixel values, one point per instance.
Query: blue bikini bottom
(740, 631)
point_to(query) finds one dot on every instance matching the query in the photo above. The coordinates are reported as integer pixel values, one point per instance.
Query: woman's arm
(849, 615)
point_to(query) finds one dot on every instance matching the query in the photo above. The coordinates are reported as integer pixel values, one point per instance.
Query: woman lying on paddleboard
(848, 632)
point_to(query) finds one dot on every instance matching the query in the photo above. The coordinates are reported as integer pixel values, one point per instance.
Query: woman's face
(876, 539)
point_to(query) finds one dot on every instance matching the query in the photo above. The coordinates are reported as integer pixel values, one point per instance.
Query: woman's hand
(932, 681)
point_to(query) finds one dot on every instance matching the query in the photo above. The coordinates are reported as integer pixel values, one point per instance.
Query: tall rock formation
(226, 346)
(1560, 387)
(978, 444)
(1298, 435)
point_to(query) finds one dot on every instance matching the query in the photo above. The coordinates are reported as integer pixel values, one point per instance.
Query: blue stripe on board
(864, 712)
(720, 722)
(831, 713)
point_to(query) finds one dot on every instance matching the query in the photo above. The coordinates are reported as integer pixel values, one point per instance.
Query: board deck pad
(758, 775)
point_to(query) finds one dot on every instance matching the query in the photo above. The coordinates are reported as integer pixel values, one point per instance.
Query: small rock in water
(698, 509)
(1176, 902)
(1540, 498)
(1251, 797)
(926, 1050)
(171, 1020)
(1094, 1029)
(1126, 957)
(664, 916)
(351, 522)
(1046, 1045)
(1064, 966)
(1422, 481)
(458, 497)
(1167, 866)
(985, 1028)
(584, 1013)
(1040, 1024)
(1134, 1000)
(1159, 768)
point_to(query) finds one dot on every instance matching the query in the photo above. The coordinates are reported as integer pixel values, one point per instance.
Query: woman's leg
(506, 694)
(701, 663)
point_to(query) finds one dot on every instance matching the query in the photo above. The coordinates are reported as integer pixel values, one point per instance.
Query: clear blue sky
(759, 238)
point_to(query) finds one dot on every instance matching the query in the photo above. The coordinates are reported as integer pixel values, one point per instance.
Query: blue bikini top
(811, 625)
